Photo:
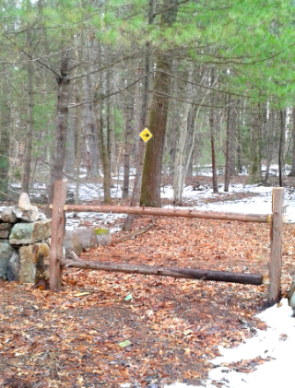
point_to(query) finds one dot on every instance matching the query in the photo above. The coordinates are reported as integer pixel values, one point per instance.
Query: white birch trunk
(180, 157)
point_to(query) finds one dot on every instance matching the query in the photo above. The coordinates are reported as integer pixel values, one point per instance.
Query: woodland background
(214, 83)
(212, 80)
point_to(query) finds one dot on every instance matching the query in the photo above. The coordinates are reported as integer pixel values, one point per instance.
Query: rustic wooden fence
(273, 279)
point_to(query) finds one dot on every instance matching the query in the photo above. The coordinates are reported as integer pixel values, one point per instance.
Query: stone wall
(25, 242)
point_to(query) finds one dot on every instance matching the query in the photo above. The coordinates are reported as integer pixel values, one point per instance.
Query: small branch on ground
(134, 234)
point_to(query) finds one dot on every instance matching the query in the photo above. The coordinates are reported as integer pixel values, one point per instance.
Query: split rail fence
(273, 278)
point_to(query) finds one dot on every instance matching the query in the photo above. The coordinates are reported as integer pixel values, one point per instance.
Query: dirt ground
(105, 329)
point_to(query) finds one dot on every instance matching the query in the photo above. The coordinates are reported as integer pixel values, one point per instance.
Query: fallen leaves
(104, 329)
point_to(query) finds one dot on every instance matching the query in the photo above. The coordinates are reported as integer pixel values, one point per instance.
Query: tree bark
(150, 211)
(140, 145)
(180, 155)
(152, 170)
(186, 273)
(281, 146)
(255, 147)
(71, 137)
(212, 138)
(30, 120)
(88, 114)
(103, 137)
(270, 142)
(128, 131)
(230, 144)
(4, 139)
(56, 172)
(292, 172)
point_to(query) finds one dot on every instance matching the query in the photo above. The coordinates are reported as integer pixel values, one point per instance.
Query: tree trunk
(88, 115)
(70, 147)
(292, 172)
(255, 148)
(141, 147)
(270, 142)
(180, 155)
(127, 149)
(30, 120)
(228, 147)
(212, 138)
(56, 172)
(103, 136)
(107, 180)
(90, 130)
(281, 146)
(78, 133)
(152, 170)
(4, 139)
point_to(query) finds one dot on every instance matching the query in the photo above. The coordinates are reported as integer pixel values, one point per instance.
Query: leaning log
(187, 273)
(151, 211)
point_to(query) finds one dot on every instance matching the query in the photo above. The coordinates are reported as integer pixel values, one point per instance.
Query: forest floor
(119, 330)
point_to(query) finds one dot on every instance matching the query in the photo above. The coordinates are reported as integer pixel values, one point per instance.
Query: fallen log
(187, 273)
(154, 211)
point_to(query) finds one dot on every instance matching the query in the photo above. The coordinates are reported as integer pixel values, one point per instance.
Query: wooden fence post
(276, 246)
(57, 235)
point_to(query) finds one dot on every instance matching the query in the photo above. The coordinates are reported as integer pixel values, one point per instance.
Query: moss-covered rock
(30, 233)
(99, 231)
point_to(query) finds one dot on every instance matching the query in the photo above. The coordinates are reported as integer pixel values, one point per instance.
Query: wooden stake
(276, 246)
(57, 235)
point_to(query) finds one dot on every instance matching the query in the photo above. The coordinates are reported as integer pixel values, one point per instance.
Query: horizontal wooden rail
(151, 211)
(187, 273)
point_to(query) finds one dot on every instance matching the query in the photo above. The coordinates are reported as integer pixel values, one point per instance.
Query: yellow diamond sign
(145, 135)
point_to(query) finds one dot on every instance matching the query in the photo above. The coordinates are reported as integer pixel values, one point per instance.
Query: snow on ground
(275, 343)
(260, 204)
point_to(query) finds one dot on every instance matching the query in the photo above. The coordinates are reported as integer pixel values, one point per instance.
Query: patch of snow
(260, 204)
(275, 343)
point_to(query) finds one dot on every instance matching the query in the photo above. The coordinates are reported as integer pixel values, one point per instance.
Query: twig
(134, 234)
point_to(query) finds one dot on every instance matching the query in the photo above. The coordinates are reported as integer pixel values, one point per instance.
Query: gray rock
(5, 229)
(34, 262)
(30, 215)
(13, 267)
(24, 203)
(4, 234)
(6, 252)
(87, 237)
(8, 215)
(5, 226)
(29, 233)
(72, 243)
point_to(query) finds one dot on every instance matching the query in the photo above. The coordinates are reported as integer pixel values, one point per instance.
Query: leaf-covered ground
(88, 335)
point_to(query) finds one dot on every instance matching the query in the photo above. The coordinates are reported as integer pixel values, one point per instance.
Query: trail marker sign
(145, 135)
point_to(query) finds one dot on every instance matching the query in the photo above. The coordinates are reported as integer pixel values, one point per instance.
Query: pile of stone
(24, 242)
